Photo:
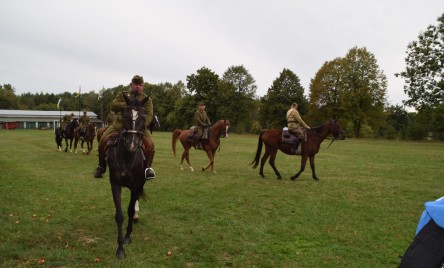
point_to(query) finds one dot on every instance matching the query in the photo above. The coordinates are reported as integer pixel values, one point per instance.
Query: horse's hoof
(315, 179)
(279, 177)
(136, 216)
(120, 254)
(191, 169)
(128, 240)
(292, 178)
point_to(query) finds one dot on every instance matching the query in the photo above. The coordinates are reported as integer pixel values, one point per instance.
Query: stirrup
(98, 173)
(150, 174)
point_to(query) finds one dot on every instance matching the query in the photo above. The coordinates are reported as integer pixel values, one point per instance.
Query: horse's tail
(176, 134)
(258, 152)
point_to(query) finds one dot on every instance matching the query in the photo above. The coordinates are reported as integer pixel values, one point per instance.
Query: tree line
(351, 89)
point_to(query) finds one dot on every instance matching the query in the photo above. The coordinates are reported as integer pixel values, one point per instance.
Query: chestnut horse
(218, 130)
(272, 138)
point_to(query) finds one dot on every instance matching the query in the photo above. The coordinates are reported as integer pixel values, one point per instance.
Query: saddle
(193, 132)
(289, 136)
(113, 139)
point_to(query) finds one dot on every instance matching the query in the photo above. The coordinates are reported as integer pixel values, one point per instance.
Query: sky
(56, 46)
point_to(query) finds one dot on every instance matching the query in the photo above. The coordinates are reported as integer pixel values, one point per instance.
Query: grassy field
(362, 213)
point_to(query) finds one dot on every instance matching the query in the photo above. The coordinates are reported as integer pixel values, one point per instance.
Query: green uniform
(117, 106)
(66, 119)
(110, 118)
(84, 121)
(201, 121)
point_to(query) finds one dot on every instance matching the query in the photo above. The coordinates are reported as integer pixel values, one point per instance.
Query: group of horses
(71, 133)
(126, 159)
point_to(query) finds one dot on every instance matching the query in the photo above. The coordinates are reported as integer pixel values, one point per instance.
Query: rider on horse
(66, 119)
(294, 122)
(117, 106)
(84, 121)
(201, 122)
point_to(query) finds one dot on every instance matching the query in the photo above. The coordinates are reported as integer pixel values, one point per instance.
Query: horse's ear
(127, 100)
(142, 103)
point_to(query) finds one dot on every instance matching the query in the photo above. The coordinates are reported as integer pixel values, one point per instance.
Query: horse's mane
(318, 128)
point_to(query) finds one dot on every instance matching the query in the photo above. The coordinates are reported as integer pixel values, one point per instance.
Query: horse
(88, 137)
(154, 124)
(69, 133)
(272, 138)
(58, 138)
(126, 163)
(218, 130)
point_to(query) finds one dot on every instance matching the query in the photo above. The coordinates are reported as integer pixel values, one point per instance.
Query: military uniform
(201, 121)
(294, 123)
(117, 106)
(84, 121)
(66, 119)
(110, 118)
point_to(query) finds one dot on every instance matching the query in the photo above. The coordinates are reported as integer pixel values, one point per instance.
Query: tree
(326, 92)
(238, 89)
(8, 99)
(424, 73)
(204, 87)
(285, 90)
(365, 89)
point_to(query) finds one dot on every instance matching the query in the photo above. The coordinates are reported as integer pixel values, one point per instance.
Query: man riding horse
(84, 121)
(294, 122)
(202, 123)
(117, 105)
(66, 119)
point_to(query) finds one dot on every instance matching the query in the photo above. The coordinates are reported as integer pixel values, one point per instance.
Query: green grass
(362, 213)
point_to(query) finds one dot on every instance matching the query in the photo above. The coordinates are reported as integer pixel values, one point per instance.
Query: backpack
(427, 249)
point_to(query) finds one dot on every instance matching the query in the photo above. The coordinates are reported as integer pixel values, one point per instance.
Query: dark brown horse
(127, 166)
(69, 133)
(218, 130)
(88, 137)
(272, 138)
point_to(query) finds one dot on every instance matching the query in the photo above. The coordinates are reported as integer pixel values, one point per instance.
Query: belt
(292, 121)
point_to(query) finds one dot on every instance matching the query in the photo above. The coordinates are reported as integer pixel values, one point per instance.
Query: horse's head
(336, 130)
(223, 126)
(133, 123)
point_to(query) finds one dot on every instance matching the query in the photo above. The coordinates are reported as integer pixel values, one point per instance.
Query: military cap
(137, 79)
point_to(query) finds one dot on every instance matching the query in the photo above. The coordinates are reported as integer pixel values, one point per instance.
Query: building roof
(34, 113)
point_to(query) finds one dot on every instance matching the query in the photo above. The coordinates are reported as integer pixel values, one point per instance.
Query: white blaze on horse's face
(134, 118)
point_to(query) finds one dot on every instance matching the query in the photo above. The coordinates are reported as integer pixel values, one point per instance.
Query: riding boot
(101, 168)
(149, 171)
(294, 149)
(197, 144)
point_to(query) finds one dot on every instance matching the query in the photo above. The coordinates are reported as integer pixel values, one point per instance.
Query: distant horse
(88, 137)
(127, 166)
(272, 138)
(218, 130)
(69, 133)
(58, 138)
(155, 124)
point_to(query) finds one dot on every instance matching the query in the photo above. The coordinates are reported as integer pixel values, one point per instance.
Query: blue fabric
(433, 210)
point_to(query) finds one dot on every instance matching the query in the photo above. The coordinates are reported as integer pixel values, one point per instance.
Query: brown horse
(218, 130)
(90, 133)
(272, 138)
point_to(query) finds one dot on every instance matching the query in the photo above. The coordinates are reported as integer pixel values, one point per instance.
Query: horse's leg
(186, 156)
(66, 142)
(272, 163)
(117, 190)
(81, 145)
(312, 166)
(263, 161)
(131, 211)
(303, 162)
(210, 155)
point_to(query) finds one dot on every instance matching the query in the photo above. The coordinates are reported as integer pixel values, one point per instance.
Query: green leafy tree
(238, 89)
(285, 90)
(326, 92)
(365, 88)
(8, 99)
(204, 86)
(424, 73)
